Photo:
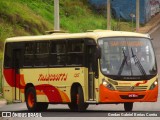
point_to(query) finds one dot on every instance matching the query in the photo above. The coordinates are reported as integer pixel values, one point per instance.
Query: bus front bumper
(108, 96)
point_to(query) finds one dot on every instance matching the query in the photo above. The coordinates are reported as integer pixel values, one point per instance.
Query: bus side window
(41, 54)
(75, 53)
(28, 54)
(57, 56)
(8, 58)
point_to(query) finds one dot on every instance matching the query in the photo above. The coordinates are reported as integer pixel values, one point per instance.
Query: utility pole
(56, 16)
(108, 15)
(137, 16)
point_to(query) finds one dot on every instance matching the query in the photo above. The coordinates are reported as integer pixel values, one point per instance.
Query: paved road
(97, 110)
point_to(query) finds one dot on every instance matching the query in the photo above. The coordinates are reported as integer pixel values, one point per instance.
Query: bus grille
(131, 88)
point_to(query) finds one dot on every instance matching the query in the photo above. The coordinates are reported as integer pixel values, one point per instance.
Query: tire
(77, 100)
(82, 106)
(128, 106)
(73, 105)
(31, 101)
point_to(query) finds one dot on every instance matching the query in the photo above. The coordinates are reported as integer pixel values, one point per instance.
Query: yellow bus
(78, 69)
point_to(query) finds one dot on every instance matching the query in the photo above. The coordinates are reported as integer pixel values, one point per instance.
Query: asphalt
(149, 27)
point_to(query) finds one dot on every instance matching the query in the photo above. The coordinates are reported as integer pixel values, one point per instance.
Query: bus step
(92, 102)
(17, 101)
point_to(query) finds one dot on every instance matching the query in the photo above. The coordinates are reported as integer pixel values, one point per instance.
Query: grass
(18, 19)
(32, 17)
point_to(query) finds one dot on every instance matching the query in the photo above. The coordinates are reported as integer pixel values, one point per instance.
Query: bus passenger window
(28, 54)
(57, 56)
(8, 56)
(41, 54)
(75, 53)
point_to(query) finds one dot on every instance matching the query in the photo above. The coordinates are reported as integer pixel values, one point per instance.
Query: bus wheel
(73, 105)
(77, 100)
(82, 106)
(31, 99)
(128, 106)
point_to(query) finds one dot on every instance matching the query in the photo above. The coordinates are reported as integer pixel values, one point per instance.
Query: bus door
(16, 76)
(90, 65)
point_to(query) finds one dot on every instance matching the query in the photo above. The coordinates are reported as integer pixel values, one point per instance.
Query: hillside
(32, 17)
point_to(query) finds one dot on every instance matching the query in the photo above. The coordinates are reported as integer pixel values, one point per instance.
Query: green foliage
(20, 18)
(31, 17)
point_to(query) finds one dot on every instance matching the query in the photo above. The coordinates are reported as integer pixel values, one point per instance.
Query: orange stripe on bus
(64, 96)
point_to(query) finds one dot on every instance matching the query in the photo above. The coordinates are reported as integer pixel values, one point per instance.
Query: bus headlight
(154, 84)
(107, 84)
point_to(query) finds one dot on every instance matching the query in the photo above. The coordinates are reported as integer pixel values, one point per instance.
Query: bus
(78, 69)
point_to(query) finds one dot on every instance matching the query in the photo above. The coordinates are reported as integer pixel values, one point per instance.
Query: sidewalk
(2, 101)
(153, 23)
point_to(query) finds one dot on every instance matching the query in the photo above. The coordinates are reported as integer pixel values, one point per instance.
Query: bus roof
(93, 34)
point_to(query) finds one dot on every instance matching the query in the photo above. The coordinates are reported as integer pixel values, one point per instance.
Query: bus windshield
(127, 56)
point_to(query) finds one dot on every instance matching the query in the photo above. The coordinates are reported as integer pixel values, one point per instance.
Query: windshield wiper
(136, 60)
(123, 63)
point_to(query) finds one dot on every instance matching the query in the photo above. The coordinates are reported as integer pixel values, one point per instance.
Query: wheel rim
(30, 100)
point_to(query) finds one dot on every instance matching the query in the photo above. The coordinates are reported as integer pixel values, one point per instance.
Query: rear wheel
(128, 106)
(31, 101)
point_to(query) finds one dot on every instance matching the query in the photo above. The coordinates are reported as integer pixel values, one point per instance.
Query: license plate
(132, 95)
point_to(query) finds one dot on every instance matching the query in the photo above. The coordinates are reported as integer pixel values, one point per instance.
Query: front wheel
(82, 106)
(128, 106)
(77, 100)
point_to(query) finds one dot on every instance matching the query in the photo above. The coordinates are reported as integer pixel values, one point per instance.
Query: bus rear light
(154, 84)
(107, 84)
